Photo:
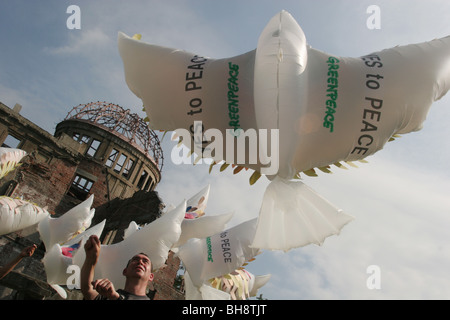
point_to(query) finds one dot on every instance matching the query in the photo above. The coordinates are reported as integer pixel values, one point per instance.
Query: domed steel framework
(129, 126)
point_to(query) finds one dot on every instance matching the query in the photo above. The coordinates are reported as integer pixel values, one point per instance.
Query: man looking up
(138, 272)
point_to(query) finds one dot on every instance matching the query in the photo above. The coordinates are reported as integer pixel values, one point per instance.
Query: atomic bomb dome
(119, 140)
(128, 126)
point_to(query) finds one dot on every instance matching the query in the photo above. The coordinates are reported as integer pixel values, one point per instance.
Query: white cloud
(82, 43)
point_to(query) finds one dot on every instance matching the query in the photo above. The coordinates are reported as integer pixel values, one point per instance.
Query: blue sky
(399, 199)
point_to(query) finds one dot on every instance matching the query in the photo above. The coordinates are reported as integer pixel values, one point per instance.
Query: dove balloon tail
(293, 215)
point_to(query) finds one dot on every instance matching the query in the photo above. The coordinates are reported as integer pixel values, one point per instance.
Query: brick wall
(42, 183)
(165, 278)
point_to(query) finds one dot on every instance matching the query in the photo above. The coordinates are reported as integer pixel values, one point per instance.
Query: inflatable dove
(132, 228)
(202, 227)
(154, 239)
(9, 160)
(17, 214)
(238, 285)
(198, 225)
(59, 258)
(219, 254)
(69, 225)
(299, 107)
(195, 224)
(196, 205)
(198, 228)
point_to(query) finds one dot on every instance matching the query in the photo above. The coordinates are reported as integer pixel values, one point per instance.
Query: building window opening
(148, 185)
(85, 139)
(109, 238)
(80, 137)
(128, 168)
(11, 142)
(112, 158)
(92, 143)
(142, 179)
(93, 147)
(76, 136)
(120, 163)
(80, 187)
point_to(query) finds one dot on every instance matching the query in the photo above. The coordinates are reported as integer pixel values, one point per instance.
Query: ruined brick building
(99, 149)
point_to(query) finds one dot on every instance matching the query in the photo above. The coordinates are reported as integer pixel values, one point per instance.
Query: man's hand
(28, 251)
(92, 249)
(105, 288)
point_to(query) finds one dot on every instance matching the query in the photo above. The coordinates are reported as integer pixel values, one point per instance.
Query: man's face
(140, 266)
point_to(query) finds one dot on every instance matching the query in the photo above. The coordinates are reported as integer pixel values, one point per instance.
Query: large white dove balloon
(154, 239)
(18, 214)
(300, 109)
(10, 159)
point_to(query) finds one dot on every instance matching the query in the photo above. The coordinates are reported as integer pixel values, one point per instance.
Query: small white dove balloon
(17, 214)
(219, 254)
(10, 159)
(196, 224)
(154, 239)
(59, 258)
(238, 285)
(69, 225)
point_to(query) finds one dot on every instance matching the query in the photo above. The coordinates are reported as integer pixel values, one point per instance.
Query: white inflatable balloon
(17, 214)
(202, 227)
(155, 239)
(195, 224)
(219, 254)
(9, 159)
(196, 205)
(205, 292)
(306, 214)
(59, 258)
(132, 228)
(238, 285)
(62, 229)
(312, 109)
